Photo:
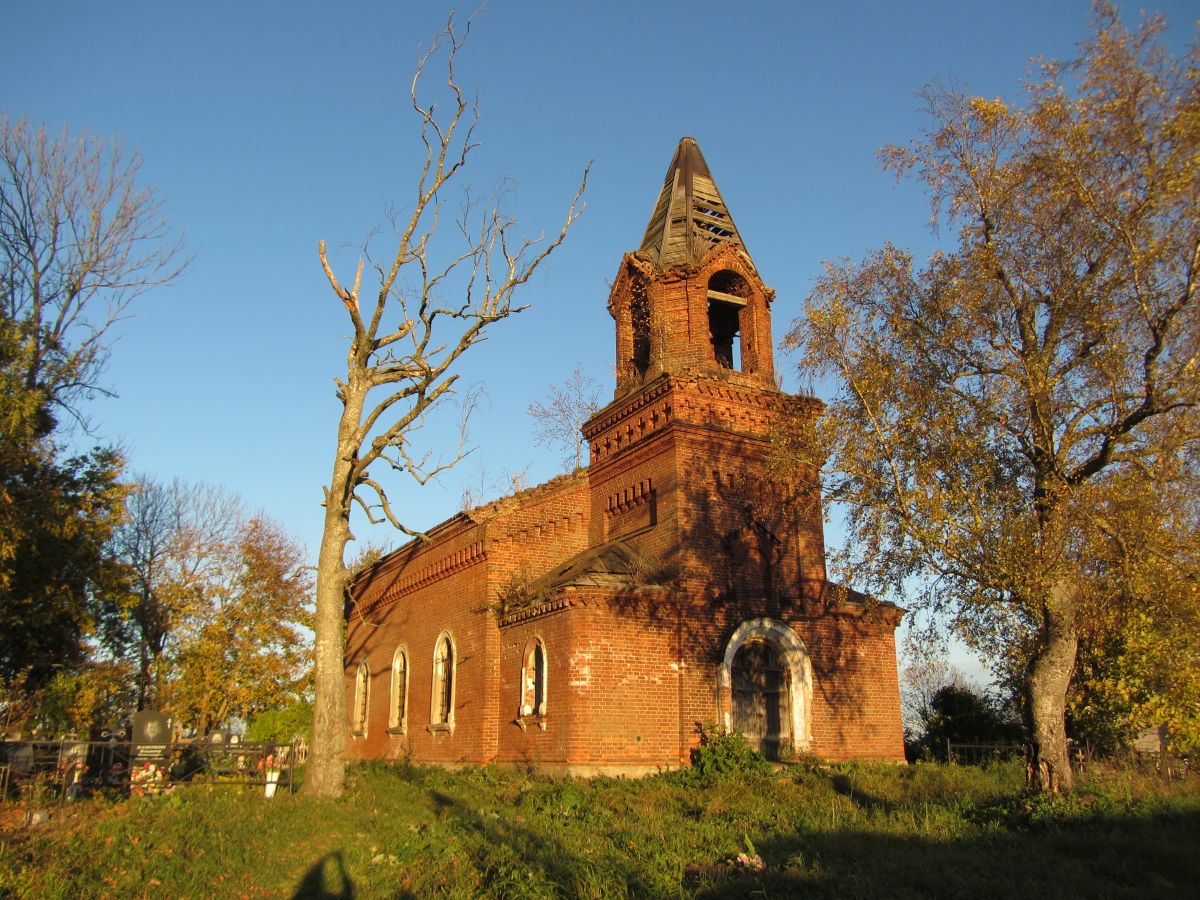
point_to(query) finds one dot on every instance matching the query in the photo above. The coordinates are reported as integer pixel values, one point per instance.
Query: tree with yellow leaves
(1139, 654)
(214, 610)
(999, 408)
(246, 649)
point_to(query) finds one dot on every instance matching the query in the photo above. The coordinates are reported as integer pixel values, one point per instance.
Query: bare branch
(79, 241)
(397, 376)
(559, 419)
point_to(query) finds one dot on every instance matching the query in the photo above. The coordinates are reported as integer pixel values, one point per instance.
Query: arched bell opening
(728, 293)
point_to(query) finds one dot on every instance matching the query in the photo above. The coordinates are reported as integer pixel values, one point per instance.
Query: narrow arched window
(533, 680)
(398, 712)
(362, 689)
(441, 711)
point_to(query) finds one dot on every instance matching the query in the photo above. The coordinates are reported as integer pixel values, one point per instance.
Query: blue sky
(268, 126)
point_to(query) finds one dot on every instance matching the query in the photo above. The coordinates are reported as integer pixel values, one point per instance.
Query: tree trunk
(326, 770)
(143, 676)
(325, 774)
(1049, 678)
(157, 680)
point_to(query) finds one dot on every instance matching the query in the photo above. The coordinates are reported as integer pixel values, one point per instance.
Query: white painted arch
(800, 683)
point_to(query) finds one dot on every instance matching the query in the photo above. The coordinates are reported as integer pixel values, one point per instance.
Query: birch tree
(405, 338)
(998, 407)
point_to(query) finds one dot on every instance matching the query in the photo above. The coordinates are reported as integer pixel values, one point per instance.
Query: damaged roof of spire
(690, 217)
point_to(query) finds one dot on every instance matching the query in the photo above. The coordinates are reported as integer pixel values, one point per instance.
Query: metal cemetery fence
(64, 770)
(981, 754)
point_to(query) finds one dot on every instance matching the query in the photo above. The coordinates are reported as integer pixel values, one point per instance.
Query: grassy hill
(843, 831)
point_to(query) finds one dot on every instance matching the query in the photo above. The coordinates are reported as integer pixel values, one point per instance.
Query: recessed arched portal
(765, 686)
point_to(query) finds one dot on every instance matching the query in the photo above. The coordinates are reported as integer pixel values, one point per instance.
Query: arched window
(639, 316)
(441, 708)
(398, 707)
(362, 690)
(533, 680)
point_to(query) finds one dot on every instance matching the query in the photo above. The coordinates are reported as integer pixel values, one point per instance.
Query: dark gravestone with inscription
(151, 737)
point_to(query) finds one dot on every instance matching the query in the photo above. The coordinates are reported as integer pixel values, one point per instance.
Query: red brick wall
(447, 584)
(545, 742)
(613, 686)
(417, 618)
(538, 529)
(631, 677)
(856, 694)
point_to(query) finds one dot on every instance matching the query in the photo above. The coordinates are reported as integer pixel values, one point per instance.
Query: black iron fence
(984, 753)
(66, 769)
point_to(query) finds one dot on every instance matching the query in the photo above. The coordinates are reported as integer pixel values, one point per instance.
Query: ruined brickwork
(593, 623)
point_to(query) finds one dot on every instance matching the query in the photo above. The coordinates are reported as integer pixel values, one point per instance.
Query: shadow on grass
(326, 880)
(844, 785)
(531, 861)
(486, 833)
(1103, 856)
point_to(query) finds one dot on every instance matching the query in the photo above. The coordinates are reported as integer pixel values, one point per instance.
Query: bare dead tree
(396, 373)
(79, 240)
(559, 417)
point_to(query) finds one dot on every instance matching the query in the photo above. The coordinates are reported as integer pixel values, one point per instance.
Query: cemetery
(145, 760)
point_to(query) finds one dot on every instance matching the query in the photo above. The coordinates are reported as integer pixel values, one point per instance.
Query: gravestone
(151, 737)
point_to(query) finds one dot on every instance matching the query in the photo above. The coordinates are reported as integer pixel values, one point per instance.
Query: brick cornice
(627, 406)
(553, 605)
(573, 597)
(695, 399)
(443, 567)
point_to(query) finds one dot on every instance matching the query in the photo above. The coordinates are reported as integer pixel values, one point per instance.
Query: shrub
(281, 725)
(724, 754)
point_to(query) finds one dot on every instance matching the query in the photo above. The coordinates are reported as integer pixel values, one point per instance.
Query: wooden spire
(690, 217)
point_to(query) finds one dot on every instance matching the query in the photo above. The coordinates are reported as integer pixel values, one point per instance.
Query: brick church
(592, 623)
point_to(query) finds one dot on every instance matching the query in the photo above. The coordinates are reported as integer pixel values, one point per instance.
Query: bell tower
(679, 457)
(689, 299)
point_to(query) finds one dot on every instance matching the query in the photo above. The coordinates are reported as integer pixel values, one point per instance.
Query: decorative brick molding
(631, 509)
(554, 604)
(444, 567)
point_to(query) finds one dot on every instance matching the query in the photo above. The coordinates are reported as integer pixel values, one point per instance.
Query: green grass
(845, 831)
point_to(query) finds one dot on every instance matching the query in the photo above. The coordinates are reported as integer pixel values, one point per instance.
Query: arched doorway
(761, 699)
(764, 687)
